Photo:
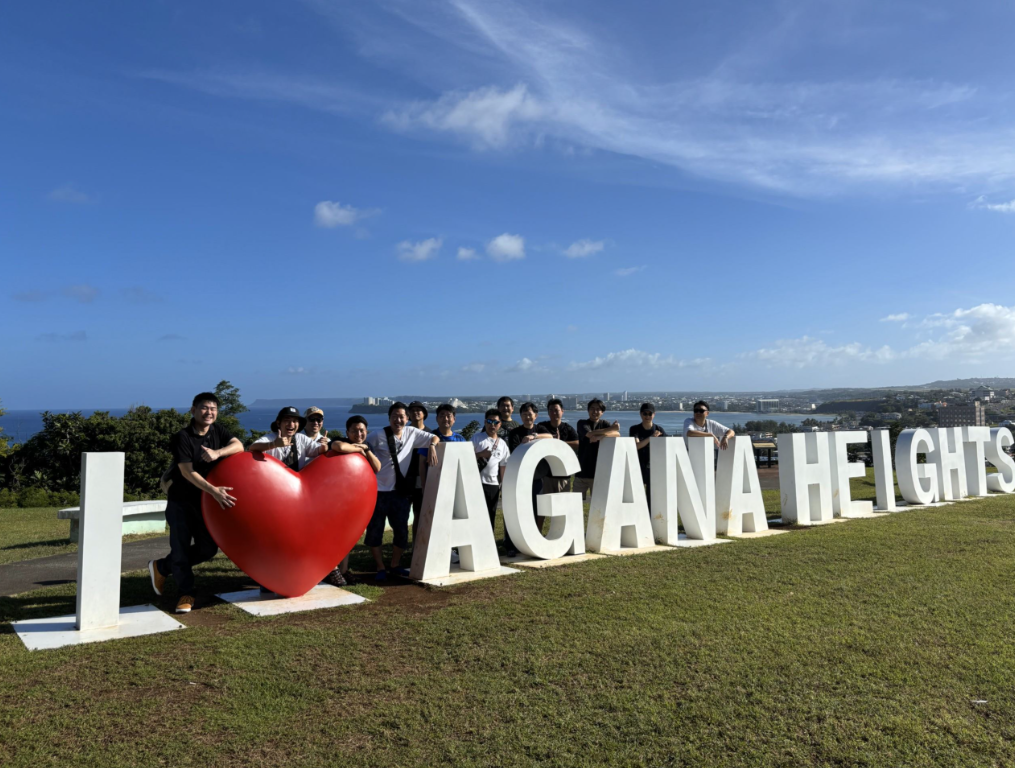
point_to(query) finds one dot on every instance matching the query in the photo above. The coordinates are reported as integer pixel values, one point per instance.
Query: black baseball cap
(418, 404)
(286, 412)
(647, 407)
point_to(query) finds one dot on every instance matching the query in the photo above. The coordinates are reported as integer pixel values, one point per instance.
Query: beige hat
(312, 409)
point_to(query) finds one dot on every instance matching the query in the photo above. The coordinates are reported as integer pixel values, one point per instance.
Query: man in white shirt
(702, 426)
(395, 446)
(315, 424)
(494, 450)
(287, 444)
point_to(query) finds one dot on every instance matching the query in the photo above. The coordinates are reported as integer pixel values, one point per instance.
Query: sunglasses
(701, 410)
(316, 419)
(491, 421)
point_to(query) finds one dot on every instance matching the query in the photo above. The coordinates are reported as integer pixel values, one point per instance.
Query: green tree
(470, 429)
(3, 437)
(229, 399)
(230, 406)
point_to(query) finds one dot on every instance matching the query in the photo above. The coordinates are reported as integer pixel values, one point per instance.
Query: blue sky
(347, 198)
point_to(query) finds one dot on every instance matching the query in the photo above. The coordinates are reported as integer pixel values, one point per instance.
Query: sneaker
(336, 579)
(158, 580)
(403, 572)
(185, 604)
(454, 557)
(381, 576)
(351, 578)
(511, 552)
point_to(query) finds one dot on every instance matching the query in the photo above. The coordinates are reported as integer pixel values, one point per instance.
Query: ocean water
(21, 425)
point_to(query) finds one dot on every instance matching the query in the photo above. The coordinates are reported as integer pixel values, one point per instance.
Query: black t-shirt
(588, 452)
(514, 439)
(638, 432)
(564, 432)
(506, 427)
(186, 447)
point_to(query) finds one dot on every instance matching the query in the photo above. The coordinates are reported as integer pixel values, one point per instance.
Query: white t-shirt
(498, 456)
(306, 448)
(712, 427)
(405, 447)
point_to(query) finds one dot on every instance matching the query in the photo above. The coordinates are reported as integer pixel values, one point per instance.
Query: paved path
(61, 569)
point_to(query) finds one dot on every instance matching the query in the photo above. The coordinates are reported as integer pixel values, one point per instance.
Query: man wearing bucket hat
(286, 443)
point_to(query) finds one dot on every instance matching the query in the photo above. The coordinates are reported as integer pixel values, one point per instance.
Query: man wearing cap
(315, 424)
(197, 448)
(287, 444)
(396, 447)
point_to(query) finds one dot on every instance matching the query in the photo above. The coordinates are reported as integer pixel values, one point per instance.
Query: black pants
(189, 544)
(417, 508)
(491, 492)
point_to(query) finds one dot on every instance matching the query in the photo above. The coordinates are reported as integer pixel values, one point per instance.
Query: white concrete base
(908, 506)
(60, 631)
(637, 550)
(755, 534)
(321, 596)
(524, 561)
(458, 576)
(683, 541)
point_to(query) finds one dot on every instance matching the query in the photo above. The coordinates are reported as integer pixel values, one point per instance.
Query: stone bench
(138, 517)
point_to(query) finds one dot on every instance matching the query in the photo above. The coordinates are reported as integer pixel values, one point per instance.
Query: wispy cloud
(68, 193)
(421, 251)
(83, 293)
(137, 294)
(525, 365)
(628, 271)
(899, 318)
(467, 254)
(636, 358)
(474, 368)
(807, 352)
(506, 247)
(58, 337)
(981, 202)
(582, 248)
(330, 214)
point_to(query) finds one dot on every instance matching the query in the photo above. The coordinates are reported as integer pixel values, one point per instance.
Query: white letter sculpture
(910, 444)
(683, 489)
(949, 459)
(1003, 481)
(805, 477)
(99, 616)
(618, 514)
(566, 535)
(740, 507)
(842, 470)
(884, 479)
(974, 442)
(454, 515)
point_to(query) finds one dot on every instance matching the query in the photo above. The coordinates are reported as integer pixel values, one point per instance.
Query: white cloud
(636, 358)
(421, 251)
(467, 254)
(506, 247)
(329, 214)
(899, 318)
(628, 271)
(68, 193)
(525, 365)
(485, 116)
(807, 352)
(581, 248)
(473, 368)
(980, 333)
(981, 202)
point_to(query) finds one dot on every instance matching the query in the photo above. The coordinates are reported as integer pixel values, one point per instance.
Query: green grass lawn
(872, 642)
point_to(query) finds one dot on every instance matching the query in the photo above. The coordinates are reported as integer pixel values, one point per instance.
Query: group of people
(400, 454)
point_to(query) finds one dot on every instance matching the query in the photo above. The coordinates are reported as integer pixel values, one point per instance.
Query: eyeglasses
(316, 419)
(491, 421)
(701, 410)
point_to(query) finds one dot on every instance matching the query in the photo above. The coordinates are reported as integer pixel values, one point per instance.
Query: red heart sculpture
(288, 530)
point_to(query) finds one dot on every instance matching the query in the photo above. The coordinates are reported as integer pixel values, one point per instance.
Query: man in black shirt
(526, 433)
(197, 448)
(556, 427)
(590, 432)
(417, 414)
(642, 433)
(506, 407)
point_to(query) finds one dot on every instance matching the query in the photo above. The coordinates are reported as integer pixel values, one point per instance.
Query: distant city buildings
(767, 404)
(974, 415)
